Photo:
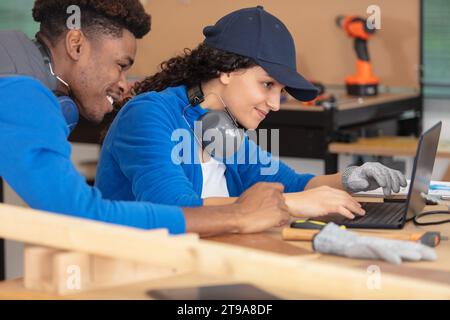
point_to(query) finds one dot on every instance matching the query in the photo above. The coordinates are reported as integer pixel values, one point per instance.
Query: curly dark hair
(189, 68)
(108, 17)
(193, 67)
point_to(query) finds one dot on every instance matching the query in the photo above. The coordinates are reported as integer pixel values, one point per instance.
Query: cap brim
(297, 86)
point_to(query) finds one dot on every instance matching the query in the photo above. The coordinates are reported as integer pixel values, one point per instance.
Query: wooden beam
(309, 277)
(154, 247)
(388, 146)
(303, 275)
(69, 272)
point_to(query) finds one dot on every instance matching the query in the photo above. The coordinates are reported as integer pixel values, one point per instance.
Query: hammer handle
(308, 234)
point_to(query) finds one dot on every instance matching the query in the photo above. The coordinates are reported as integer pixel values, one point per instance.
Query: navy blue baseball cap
(255, 33)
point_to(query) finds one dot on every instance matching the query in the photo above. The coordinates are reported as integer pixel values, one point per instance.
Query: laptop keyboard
(379, 213)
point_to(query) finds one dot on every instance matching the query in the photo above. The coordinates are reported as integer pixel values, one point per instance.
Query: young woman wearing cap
(239, 72)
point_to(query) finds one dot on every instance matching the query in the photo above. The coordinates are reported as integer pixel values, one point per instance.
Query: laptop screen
(423, 169)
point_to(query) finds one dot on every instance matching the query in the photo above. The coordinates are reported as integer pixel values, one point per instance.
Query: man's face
(99, 76)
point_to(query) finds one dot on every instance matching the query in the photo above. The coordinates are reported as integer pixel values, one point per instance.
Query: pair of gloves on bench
(337, 241)
(334, 240)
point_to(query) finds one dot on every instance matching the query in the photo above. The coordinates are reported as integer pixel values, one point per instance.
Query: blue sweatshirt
(35, 161)
(137, 157)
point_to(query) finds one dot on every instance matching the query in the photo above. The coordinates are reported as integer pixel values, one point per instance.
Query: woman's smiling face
(250, 94)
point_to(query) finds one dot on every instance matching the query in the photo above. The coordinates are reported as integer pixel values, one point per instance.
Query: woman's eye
(268, 85)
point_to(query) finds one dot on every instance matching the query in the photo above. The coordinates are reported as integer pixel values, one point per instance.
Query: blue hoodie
(137, 162)
(35, 161)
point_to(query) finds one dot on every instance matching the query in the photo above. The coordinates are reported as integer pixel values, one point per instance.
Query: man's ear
(225, 78)
(75, 43)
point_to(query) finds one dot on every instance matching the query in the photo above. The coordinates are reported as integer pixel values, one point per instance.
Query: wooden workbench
(389, 146)
(386, 146)
(346, 102)
(307, 131)
(431, 273)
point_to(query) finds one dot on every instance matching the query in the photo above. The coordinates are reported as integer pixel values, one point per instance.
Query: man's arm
(35, 161)
(259, 208)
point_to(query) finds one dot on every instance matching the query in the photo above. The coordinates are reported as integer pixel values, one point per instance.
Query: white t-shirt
(214, 182)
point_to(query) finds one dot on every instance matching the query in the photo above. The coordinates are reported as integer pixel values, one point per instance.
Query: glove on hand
(372, 175)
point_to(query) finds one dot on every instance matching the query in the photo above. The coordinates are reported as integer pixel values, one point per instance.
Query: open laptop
(393, 215)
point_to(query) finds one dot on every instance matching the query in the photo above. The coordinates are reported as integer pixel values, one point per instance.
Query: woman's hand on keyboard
(322, 201)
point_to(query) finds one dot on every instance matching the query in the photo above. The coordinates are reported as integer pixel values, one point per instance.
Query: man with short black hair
(77, 65)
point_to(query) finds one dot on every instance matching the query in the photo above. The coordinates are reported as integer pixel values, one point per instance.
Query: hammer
(429, 238)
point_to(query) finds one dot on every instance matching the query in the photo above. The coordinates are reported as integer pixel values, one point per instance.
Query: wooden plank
(306, 276)
(55, 230)
(260, 241)
(303, 275)
(68, 272)
(38, 268)
(387, 146)
(71, 272)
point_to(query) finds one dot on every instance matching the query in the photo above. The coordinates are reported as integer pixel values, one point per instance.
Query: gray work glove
(372, 175)
(334, 240)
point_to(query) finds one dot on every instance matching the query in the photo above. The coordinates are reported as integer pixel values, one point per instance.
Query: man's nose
(123, 84)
